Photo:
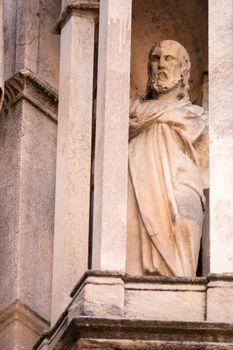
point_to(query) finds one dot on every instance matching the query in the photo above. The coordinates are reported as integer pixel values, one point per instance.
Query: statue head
(168, 71)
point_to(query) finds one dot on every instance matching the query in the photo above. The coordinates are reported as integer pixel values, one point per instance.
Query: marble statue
(165, 193)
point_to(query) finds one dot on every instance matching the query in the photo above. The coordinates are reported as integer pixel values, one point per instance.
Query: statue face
(165, 63)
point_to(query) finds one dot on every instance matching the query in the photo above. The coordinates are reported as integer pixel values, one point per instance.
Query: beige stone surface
(221, 133)
(20, 328)
(110, 197)
(27, 35)
(10, 136)
(140, 298)
(110, 332)
(49, 43)
(73, 159)
(219, 301)
(161, 304)
(29, 41)
(9, 37)
(103, 297)
(36, 221)
(28, 152)
(165, 193)
(79, 2)
(112, 344)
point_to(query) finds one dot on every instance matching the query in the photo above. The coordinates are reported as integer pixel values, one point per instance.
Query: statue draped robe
(165, 192)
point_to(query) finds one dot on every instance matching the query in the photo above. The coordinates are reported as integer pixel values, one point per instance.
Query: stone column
(111, 152)
(73, 156)
(220, 285)
(28, 128)
(221, 135)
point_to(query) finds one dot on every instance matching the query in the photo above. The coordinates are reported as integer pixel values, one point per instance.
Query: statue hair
(185, 71)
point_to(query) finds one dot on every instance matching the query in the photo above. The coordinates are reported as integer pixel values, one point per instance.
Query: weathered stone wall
(29, 39)
(27, 180)
(28, 128)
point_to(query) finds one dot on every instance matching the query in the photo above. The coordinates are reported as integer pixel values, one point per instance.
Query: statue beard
(164, 81)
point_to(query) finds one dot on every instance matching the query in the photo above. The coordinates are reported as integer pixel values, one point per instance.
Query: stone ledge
(113, 294)
(180, 305)
(24, 84)
(79, 7)
(88, 331)
(105, 344)
(139, 279)
(228, 277)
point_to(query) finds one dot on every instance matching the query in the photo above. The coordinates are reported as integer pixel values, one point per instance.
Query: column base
(20, 327)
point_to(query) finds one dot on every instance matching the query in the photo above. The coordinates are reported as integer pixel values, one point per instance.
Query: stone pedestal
(110, 310)
(115, 295)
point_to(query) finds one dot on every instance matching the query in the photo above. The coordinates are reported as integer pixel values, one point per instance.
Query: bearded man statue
(165, 193)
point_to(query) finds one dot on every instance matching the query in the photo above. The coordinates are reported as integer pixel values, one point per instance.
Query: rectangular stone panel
(165, 302)
(219, 300)
(10, 155)
(27, 185)
(36, 221)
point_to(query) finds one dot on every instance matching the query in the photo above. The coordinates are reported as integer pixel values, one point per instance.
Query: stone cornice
(175, 332)
(80, 7)
(21, 313)
(226, 277)
(139, 279)
(24, 84)
(72, 326)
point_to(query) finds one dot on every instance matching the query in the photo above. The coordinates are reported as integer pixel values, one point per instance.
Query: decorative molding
(93, 315)
(139, 279)
(110, 331)
(20, 326)
(24, 84)
(226, 277)
(80, 7)
(18, 311)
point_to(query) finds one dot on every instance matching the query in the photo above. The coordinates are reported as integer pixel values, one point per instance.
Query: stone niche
(110, 310)
(183, 21)
(187, 23)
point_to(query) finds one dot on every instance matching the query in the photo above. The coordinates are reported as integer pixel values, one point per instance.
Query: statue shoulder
(135, 102)
(198, 110)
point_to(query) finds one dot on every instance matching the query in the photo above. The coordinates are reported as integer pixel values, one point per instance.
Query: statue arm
(135, 102)
(138, 124)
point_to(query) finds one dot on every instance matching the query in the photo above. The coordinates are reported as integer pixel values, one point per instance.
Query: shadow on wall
(181, 20)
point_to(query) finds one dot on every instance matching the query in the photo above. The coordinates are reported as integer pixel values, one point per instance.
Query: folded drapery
(164, 179)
